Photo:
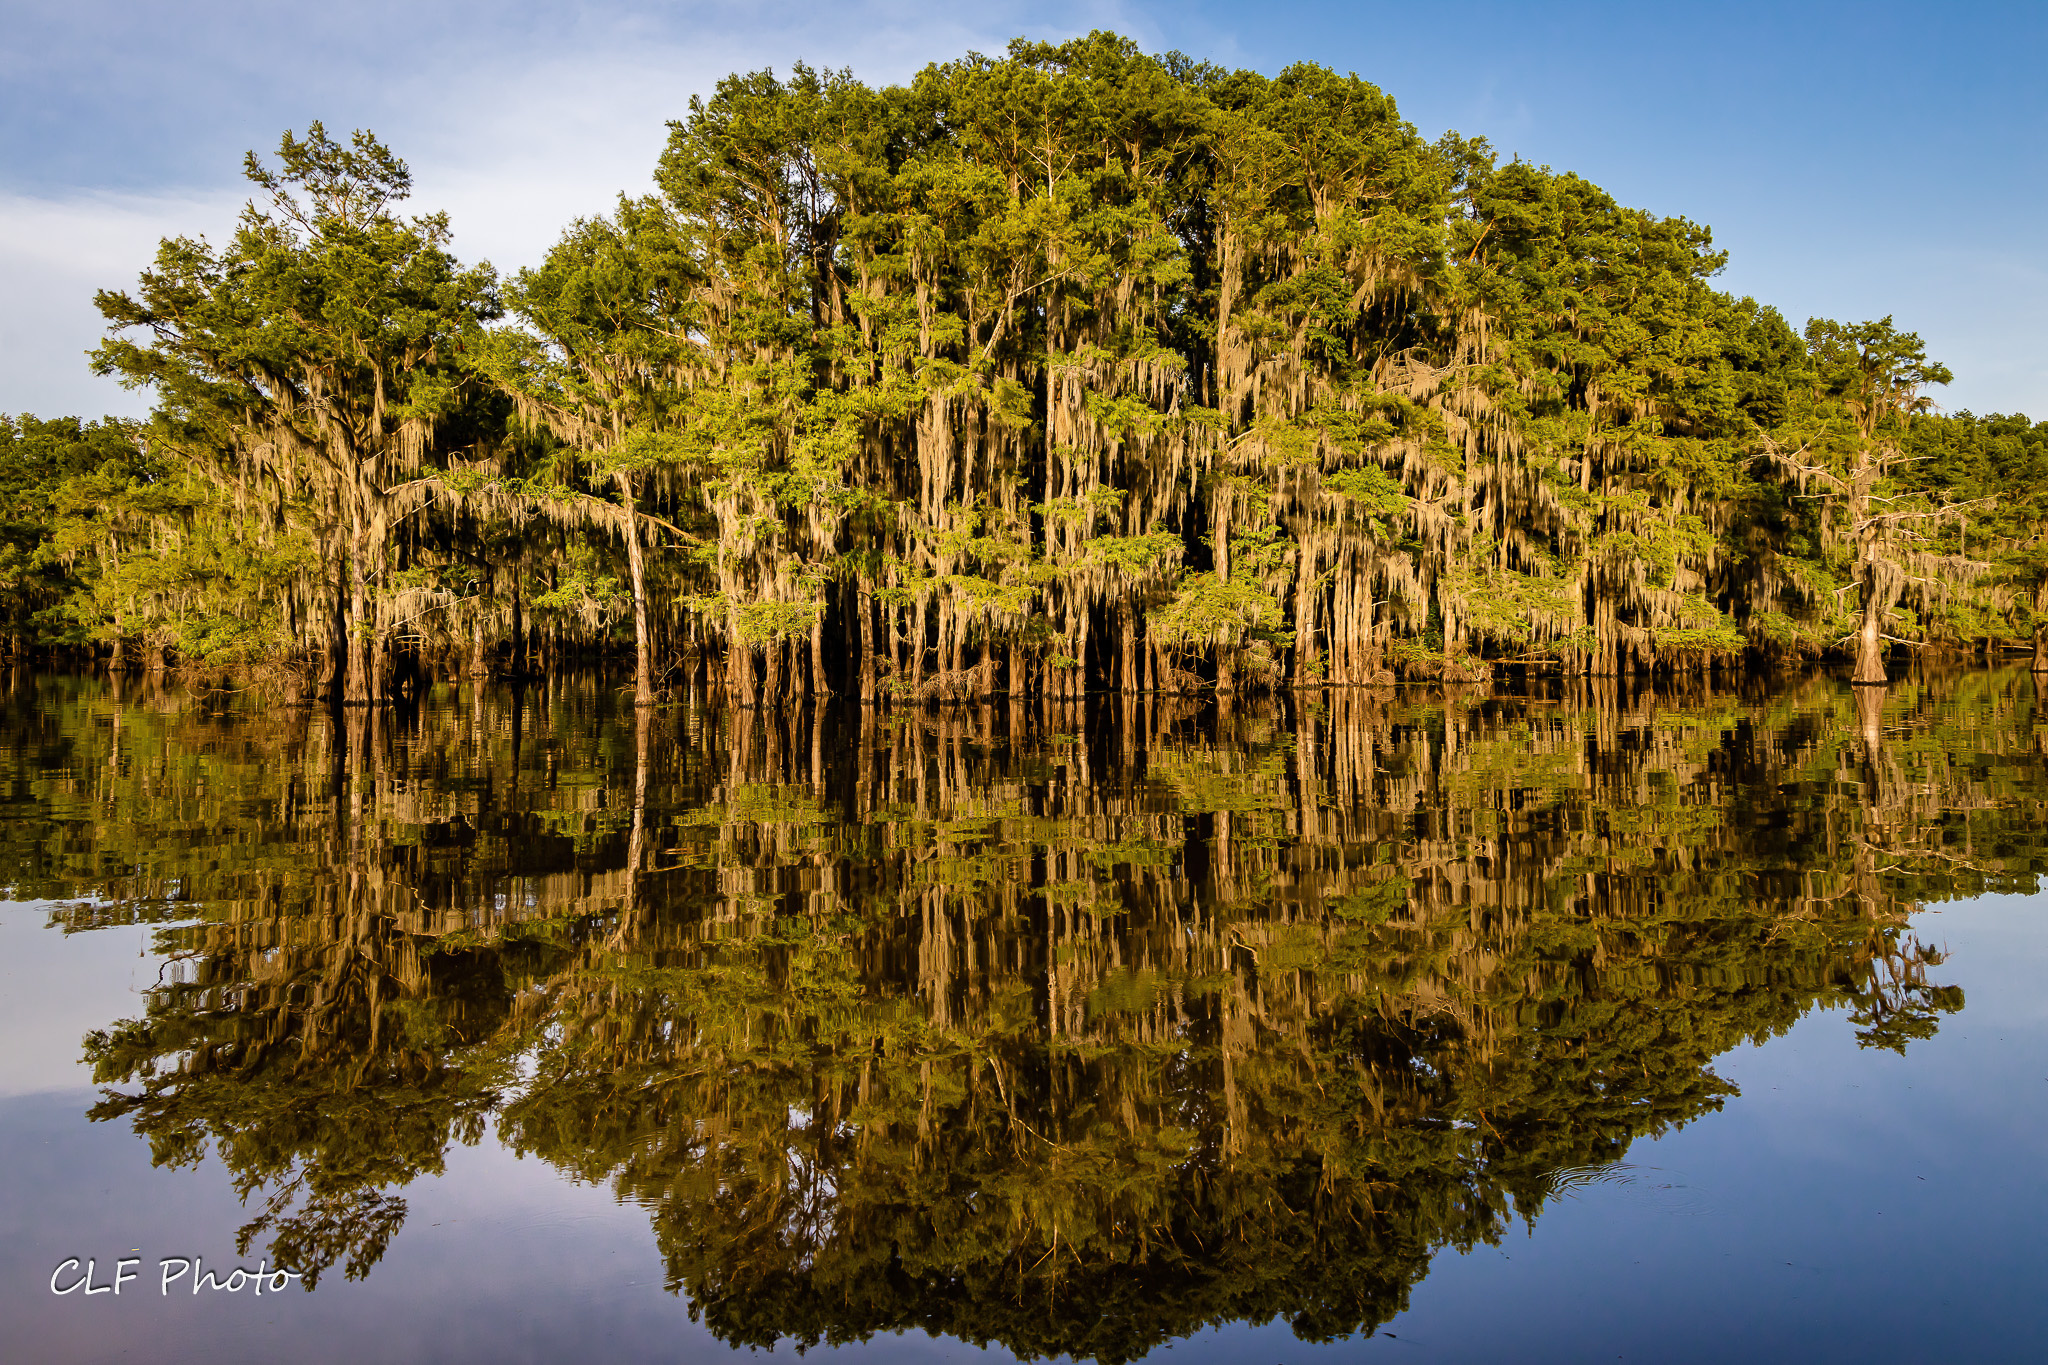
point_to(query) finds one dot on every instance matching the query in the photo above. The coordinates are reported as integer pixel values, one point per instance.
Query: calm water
(1605, 1023)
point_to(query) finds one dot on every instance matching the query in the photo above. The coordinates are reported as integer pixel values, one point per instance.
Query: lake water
(1606, 1022)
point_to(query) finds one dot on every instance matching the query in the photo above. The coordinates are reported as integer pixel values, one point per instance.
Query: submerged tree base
(705, 681)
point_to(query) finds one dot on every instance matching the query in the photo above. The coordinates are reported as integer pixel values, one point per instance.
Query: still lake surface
(1608, 1022)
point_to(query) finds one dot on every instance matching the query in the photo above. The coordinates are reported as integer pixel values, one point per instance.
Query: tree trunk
(334, 670)
(1870, 632)
(1080, 673)
(1604, 663)
(865, 608)
(2041, 647)
(366, 572)
(738, 677)
(356, 691)
(1127, 654)
(821, 688)
(917, 647)
(117, 662)
(1870, 638)
(518, 629)
(1342, 636)
(1304, 618)
(636, 565)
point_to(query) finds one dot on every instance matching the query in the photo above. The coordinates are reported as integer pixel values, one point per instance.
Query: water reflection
(1070, 1028)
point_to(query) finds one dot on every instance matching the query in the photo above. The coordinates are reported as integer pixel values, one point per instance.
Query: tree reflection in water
(1073, 1028)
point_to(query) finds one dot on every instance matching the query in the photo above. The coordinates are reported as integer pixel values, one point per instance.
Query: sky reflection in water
(1094, 1030)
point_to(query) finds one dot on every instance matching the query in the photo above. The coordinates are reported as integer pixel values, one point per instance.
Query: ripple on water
(1650, 1189)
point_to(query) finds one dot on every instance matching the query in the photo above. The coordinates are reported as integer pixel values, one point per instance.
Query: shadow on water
(1075, 1028)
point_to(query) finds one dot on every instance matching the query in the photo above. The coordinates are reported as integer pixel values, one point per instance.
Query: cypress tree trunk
(1869, 638)
(864, 607)
(334, 667)
(1127, 654)
(917, 648)
(356, 686)
(735, 666)
(1343, 635)
(118, 661)
(1222, 538)
(820, 688)
(2041, 647)
(367, 550)
(1304, 618)
(1080, 670)
(1869, 632)
(636, 566)
(518, 630)
(1603, 663)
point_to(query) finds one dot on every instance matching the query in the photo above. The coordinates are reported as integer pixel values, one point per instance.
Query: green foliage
(41, 463)
(1228, 615)
(1375, 493)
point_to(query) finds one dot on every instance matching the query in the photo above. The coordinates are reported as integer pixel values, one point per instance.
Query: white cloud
(55, 254)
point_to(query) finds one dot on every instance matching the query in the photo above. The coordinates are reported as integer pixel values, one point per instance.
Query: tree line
(1071, 369)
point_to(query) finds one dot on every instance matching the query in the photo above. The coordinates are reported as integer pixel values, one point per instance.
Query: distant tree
(1868, 382)
(1999, 465)
(38, 457)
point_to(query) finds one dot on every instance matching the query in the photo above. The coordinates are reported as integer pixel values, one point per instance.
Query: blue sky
(1855, 159)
